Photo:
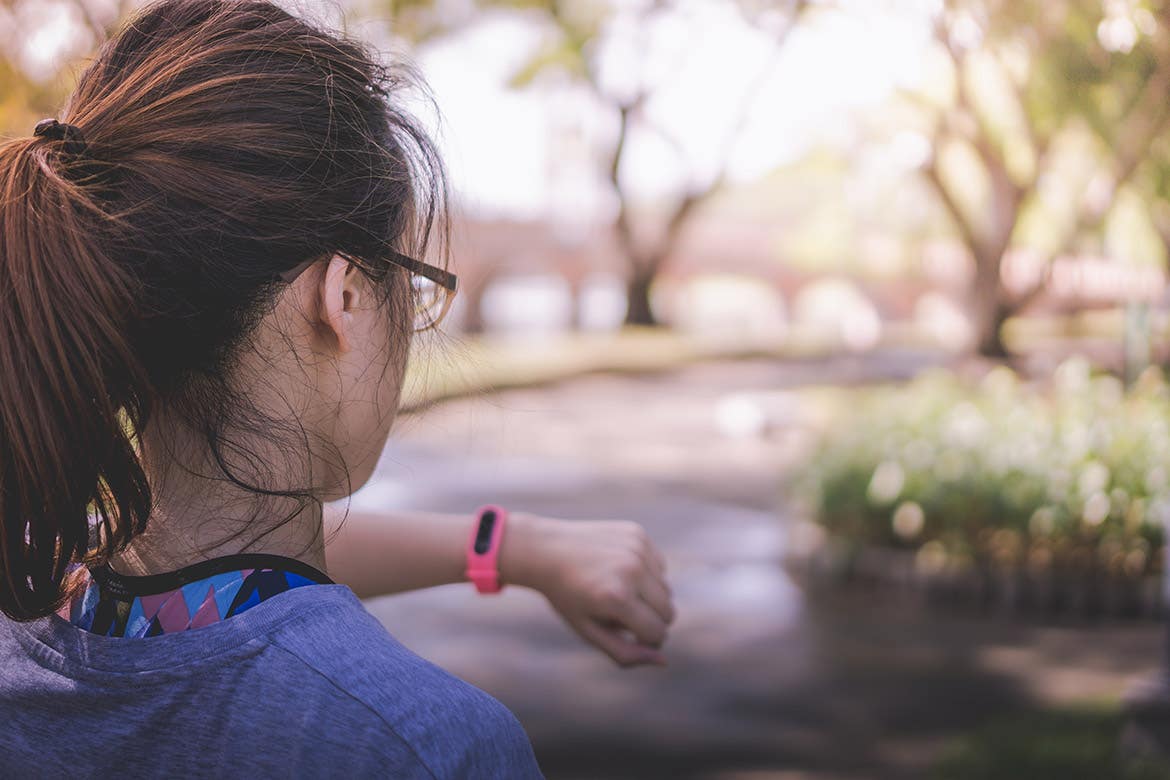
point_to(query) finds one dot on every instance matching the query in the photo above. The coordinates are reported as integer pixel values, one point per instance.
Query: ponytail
(71, 393)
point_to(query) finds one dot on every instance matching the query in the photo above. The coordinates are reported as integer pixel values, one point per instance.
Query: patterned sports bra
(198, 595)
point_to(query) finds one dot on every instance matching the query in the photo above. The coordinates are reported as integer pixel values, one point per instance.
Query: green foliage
(1067, 744)
(1001, 472)
(1076, 75)
(562, 55)
(23, 101)
(1054, 54)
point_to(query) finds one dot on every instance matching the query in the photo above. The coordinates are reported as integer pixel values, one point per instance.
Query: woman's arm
(605, 578)
(377, 554)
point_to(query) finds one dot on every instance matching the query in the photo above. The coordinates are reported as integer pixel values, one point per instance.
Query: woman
(211, 268)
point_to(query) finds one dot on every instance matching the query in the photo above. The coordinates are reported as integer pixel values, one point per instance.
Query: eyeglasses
(432, 288)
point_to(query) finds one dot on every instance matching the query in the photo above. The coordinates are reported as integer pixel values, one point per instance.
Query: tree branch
(695, 196)
(1140, 131)
(981, 138)
(624, 225)
(962, 222)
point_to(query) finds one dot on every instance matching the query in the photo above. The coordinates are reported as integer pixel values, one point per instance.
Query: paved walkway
(765, 679)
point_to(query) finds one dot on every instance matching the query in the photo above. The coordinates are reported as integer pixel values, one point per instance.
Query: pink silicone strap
(483, 568)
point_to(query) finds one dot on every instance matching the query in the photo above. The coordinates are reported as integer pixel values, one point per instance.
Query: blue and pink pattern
(194, 605)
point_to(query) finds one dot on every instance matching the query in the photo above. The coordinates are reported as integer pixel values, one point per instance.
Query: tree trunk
(990, 308)
(990, 342)
(638, 311)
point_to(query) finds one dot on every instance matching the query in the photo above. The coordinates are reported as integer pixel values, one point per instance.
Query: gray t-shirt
(305, 684)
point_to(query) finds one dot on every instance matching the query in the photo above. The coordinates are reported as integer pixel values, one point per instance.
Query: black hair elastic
(53, 130)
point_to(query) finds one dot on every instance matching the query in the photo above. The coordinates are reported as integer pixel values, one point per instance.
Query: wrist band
(483, 549)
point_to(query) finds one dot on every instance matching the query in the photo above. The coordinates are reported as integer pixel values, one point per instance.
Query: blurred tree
(27, 96)
(1156, 178)
(646, 259)
(1024, 73)
(580, 26)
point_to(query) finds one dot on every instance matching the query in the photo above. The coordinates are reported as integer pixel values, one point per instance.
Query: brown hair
(224, 142)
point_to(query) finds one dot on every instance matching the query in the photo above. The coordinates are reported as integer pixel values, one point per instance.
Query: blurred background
(859, 306)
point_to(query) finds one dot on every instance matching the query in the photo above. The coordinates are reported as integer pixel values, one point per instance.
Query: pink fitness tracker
(483, 549)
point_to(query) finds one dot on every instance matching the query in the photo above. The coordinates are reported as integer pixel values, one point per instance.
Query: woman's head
(202, 269)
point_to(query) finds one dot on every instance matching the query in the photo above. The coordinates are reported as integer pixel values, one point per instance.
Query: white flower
(909, 520)
(1043, 521)
(1096, 509)
(1094, 477)
(887, 482)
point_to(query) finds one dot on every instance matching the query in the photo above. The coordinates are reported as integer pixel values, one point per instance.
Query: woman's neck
(199, 514)
(173, 541)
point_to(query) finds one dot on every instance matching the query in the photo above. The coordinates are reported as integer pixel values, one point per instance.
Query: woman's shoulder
(456, 729)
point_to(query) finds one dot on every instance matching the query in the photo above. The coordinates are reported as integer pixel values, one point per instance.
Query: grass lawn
(1065, 744)
(443, 367)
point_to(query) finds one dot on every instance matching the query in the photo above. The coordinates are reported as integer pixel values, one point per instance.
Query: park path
(765, 678)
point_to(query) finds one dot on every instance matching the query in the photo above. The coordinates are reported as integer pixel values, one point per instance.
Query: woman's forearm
(605, 578)
(379, 553)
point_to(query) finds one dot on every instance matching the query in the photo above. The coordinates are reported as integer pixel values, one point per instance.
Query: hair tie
(53, 130)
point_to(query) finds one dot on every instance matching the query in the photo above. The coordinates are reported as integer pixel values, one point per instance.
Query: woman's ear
(339, 293)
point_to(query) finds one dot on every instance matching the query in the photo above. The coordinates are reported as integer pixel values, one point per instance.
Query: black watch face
(483, 539)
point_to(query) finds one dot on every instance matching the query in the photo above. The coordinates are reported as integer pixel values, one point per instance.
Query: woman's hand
(605, 578)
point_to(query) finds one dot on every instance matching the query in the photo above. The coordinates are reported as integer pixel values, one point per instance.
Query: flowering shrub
(1074, 476)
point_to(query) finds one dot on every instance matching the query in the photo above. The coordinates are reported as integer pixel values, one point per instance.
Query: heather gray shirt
(305, 684)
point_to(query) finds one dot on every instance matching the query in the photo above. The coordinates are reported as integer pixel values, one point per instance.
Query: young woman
(210, 271)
